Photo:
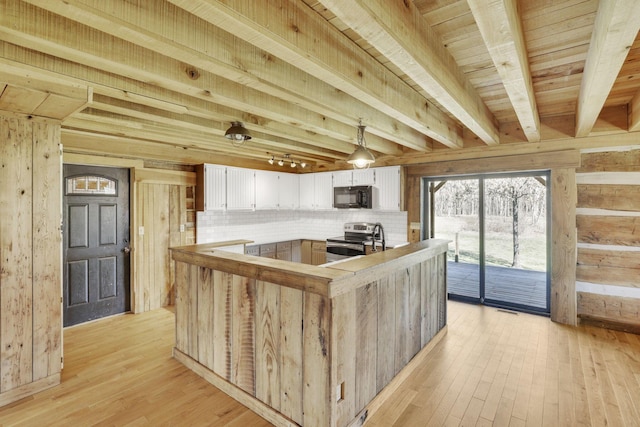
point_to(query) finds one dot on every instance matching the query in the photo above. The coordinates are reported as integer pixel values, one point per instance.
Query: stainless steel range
(357, 235)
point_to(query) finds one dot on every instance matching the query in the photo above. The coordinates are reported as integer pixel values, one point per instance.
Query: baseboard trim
(27, 390)
(616, 325)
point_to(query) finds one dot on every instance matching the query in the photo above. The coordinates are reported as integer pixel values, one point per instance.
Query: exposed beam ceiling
(616, 27)
(161, 80)
(406, 40)
(509, 54)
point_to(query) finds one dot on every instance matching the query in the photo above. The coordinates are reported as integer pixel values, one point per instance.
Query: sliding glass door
(498, 227)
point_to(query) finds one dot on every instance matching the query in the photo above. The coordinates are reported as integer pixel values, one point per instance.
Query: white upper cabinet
(307, 190)
(342, 178)
(387, 185)
(267, 189)
(288, 191)
(211, 188)
(316, 190)
(364, 176)
(323, 190)
(241, 188)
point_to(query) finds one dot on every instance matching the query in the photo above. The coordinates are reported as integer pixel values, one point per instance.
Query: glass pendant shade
(361, 158)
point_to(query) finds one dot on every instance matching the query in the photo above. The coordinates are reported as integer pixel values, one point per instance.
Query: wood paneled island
(309, 345)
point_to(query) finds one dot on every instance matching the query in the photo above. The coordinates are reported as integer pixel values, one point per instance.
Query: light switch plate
(141, 231)
(414, 226)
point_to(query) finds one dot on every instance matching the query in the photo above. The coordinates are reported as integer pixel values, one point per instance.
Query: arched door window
(91, 185)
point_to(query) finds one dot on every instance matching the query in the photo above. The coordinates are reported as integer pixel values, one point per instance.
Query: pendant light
(237, 133)
(361, 158)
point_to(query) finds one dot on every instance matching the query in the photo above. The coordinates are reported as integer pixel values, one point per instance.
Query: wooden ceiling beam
(168, 133)
(316, 143)
(615, 29)
(295, 33)
(207, 47)
(82, 142)
(501, 29)
(399, 32)
(119, 57)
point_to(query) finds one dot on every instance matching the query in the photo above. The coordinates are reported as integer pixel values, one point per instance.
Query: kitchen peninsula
(308, 345)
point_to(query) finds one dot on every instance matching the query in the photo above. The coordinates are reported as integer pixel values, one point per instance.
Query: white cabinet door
(364, 176)
(241, 188)
(215, 187)
(266, 189)
(342, 178)
(324, 190)
(288, 191)
(307, 191)
(388, 188)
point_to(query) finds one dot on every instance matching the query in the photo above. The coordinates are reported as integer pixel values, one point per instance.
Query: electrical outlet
(141, 231)
(182, 228)
(414, 226)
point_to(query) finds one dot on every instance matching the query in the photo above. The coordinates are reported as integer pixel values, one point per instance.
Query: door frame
(122, 172)
(427, 231)
(133, 166)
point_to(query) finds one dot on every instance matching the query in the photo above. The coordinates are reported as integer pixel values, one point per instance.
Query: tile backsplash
(274, 225)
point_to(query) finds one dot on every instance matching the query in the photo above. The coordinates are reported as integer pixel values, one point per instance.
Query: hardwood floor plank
(491, 369)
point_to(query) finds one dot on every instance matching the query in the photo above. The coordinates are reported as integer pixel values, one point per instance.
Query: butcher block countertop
(328, 280)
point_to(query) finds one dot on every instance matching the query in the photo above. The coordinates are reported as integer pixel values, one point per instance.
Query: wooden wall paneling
(366, 344)
(47, 255)
(385, 363)
(431, 299)
(175, 236)
(243, 334)
(441, 291)
(345, 330)
(610, 307)
(149, 273)
(161, 287)
(223, 313)
(401, 278)
(414, 317)
(413, 198)
(563, 248)
(16, 245)
(606, 258)
(267, 343)
(316, 394)
(608, 275)
(192, 310)
(612, 197)
(139, 251)
(610, 161)
(291, 353)
(609, 230)
(182, 280)
(206, 317)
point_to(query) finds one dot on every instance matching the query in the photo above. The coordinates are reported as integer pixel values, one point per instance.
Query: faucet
(378, 230)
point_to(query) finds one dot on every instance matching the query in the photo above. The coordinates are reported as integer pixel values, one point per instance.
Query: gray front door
(96, 243)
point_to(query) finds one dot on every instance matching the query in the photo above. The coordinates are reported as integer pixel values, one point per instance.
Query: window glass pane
(91, 185)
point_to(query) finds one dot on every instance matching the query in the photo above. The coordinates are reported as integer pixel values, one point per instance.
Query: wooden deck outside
(492, 368)
(513, 285)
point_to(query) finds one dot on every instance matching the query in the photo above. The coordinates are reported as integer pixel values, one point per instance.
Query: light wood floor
(492, 368)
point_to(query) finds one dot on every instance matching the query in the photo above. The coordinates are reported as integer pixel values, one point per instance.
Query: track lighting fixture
(286, 158)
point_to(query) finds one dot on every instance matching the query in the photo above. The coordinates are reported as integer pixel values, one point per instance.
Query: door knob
(126, 250)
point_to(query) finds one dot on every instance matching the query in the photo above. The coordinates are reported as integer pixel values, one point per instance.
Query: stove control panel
(359, 227)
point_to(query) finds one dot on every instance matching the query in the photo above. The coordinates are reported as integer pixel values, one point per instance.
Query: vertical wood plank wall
(30, 256)
(250, 333)
(162, 206)
(608, 271)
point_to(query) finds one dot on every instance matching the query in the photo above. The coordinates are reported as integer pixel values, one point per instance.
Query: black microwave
(356, 197)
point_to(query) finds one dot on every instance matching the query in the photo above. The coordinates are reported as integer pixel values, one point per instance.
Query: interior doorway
(499, 226)
(96, 243)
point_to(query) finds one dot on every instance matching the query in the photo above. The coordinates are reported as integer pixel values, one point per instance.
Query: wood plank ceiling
(424, 76)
